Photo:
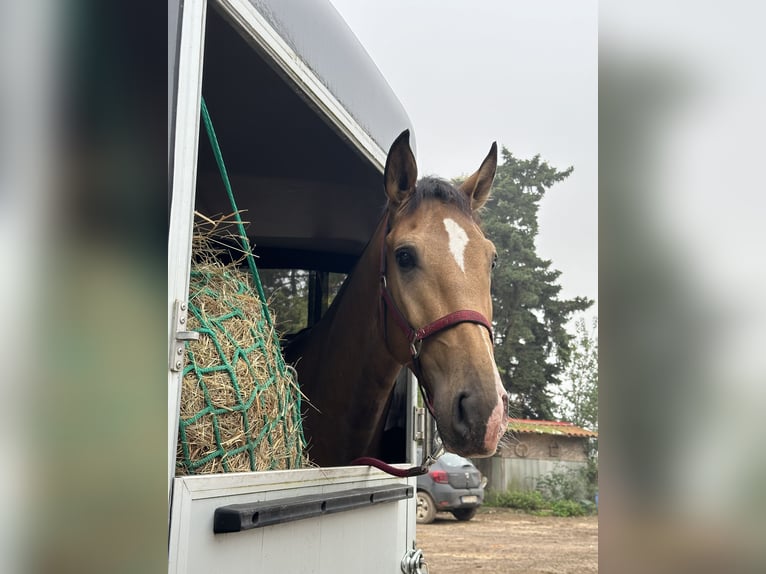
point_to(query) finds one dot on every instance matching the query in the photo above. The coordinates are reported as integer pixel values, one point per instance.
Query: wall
(519, 473)
(572, 449)
(508, 471)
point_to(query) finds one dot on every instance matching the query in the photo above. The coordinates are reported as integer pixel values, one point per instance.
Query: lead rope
(428, 457)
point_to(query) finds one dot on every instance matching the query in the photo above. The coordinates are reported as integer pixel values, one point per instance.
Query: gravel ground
(501, 540)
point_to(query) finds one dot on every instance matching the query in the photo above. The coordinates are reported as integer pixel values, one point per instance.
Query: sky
(524, 74)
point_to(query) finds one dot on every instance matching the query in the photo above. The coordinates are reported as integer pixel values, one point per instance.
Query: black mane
(439, 189)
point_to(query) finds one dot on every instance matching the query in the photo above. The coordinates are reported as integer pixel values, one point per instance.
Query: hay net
(240, 404)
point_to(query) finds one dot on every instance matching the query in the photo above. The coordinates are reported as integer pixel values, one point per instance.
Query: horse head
(436, 269)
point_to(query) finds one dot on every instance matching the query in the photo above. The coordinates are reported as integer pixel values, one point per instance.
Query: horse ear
(401, 171)
(477, 186)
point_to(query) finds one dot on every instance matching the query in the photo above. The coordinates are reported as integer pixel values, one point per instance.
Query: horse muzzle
(472, 425)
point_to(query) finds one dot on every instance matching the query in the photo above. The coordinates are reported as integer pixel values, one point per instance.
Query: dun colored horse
(419, 296)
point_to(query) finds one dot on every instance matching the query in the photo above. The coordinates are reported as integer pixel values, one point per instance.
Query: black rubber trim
(238, 517)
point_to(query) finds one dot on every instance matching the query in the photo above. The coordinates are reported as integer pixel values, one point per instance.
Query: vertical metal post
(319, 292)
(191, 43)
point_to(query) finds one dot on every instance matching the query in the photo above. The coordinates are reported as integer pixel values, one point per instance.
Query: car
(453, 484)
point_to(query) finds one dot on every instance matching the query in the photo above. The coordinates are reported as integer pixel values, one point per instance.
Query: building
(531, 449)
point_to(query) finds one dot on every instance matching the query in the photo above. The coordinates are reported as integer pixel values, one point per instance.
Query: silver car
(454, 485)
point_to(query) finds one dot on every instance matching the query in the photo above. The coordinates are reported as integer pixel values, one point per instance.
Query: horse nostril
(506, 405)
(462, 411)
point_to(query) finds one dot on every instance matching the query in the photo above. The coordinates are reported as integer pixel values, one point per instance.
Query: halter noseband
(414, 336)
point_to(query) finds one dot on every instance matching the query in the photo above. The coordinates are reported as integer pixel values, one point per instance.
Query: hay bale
(240, 405)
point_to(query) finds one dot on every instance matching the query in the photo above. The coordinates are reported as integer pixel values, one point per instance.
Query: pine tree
(532, 344)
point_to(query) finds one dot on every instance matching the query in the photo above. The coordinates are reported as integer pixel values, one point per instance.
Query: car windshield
(453, 459)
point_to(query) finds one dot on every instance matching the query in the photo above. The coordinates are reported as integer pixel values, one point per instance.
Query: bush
(562, 492)
(534, 503)
(527, 501)
(567, 508)
(563, 484)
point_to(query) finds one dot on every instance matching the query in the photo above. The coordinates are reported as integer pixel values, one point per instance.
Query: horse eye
(405, 259)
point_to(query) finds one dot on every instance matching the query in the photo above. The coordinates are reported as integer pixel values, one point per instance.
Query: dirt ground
(502, 541)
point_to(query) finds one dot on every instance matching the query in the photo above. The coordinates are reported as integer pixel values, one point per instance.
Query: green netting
(240, 407)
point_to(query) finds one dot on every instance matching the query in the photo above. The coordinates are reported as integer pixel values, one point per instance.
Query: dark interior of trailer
(311, 199)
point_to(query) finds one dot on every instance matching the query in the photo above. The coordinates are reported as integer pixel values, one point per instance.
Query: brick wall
(544, 447)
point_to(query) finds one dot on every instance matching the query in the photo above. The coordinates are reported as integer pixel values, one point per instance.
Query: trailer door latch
(180, 337)
(419, 426)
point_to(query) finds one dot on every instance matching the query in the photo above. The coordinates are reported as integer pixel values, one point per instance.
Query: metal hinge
(177, 355)
(413, 562)
(419, 424)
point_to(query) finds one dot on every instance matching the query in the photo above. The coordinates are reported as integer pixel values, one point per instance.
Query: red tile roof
(547, 427)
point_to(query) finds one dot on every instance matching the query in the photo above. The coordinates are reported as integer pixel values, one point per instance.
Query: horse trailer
(304, 118)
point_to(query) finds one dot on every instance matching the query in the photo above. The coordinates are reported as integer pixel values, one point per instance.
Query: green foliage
(563, 484)
(533, 502)
(579, 394)
(567, 508)
(562, 492)
(287, 291)
(532, 345)
(523, 500)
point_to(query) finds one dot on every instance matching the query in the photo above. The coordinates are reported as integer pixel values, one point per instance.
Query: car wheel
(464, 513)
(426, 509)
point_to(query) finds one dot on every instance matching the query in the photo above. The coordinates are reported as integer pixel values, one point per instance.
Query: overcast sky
(521, 73)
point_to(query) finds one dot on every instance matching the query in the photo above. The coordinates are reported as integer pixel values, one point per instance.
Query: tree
(579, 395)
(532, 344)
(286, 291)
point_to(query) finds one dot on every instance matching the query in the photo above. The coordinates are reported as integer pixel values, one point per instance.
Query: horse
(419, 296)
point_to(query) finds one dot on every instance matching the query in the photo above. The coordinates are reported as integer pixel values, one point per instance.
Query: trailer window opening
(298, 297)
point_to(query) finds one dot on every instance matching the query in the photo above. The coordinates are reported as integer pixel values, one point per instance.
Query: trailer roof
(304, 141)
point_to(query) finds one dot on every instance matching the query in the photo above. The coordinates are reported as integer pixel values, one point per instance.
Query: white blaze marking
(458, 239)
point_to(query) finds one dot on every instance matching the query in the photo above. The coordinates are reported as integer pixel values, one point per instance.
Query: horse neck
(351, 330)
(347, 369)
